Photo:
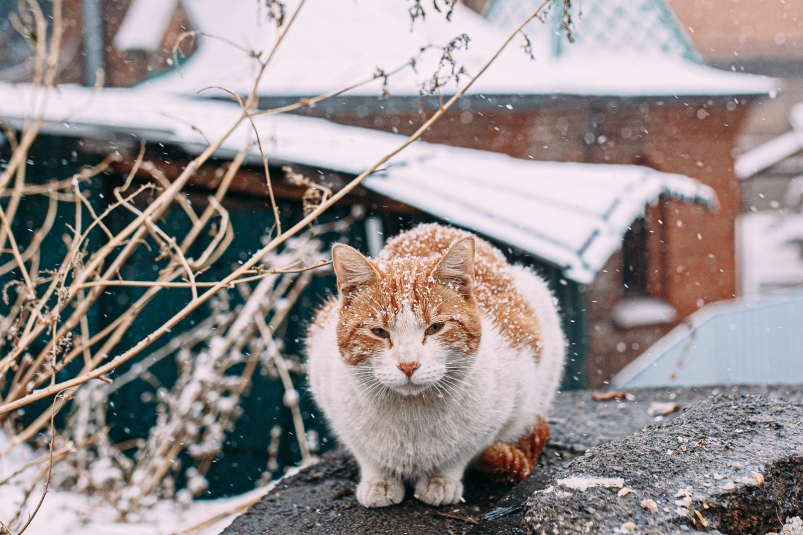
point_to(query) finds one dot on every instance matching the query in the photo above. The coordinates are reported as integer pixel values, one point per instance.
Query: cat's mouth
(410, 389)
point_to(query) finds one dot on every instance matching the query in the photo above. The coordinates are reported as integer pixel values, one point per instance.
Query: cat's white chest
(411, 435)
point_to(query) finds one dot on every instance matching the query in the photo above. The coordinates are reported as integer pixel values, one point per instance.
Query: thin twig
(455, 517)
(53, 412)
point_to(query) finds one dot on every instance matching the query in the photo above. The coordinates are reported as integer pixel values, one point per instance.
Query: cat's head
(411, 323)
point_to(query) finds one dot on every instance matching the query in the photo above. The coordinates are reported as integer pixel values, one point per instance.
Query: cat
(435, 355)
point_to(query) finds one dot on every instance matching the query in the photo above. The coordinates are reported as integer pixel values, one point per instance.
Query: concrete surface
(731, 463)
(321, 498)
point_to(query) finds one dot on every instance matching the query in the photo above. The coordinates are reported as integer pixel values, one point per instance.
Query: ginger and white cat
(436, 354)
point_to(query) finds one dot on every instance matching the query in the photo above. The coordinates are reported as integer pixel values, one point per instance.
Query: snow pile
(793, 526)
(585, 483)
(74, 513)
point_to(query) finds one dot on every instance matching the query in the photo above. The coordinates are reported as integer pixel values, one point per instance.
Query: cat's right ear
(353, 270)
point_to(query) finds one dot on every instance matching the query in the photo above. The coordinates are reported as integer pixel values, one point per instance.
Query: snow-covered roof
(144, 25)
(773, 151)
(335, 43)
(573, 215)
(569, 214)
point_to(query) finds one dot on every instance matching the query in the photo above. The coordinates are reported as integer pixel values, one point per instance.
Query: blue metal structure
(643, 26)
(734, 342)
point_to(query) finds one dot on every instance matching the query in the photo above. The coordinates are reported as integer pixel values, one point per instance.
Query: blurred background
(645, 156)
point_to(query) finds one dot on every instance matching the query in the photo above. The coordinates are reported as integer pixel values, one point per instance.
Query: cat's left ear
(456, 268)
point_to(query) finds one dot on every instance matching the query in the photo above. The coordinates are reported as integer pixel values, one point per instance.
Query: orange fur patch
(406, 283)
(493, 286)
(507, 462)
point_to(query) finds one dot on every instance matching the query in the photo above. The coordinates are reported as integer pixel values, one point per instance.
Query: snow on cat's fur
(436, 354)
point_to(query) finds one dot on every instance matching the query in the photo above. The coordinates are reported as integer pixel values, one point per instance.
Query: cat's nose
(408, 368)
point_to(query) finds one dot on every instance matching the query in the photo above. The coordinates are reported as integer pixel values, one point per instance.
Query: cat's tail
(507, 462)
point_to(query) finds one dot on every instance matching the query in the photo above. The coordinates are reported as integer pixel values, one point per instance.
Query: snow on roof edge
(768, 154)
(350, 150)
(144, 25)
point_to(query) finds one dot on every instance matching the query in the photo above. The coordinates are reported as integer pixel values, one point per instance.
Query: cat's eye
(435, 327)
(382, 333)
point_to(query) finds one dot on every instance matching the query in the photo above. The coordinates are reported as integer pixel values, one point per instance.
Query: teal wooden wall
(244, 456)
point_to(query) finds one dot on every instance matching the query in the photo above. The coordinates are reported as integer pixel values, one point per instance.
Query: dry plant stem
(69, 261)
(312, 102)
(17, 256)
(195, 303)
(67, 183)
(273, 204)
(53, 411)
(38, 237)
(57, 456)
(222, 189)
(121, 324)
(115, 328)
(13, 205)
(44, 61)
(213, 251)
(246, 111)
(287, 383)
(135, 229)
(149, 284)
(165, 183)
(85, 335)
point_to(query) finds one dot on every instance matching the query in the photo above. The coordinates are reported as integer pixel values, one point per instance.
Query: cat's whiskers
(455, 387)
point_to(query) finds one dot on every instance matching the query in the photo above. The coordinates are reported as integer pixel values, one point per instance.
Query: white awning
(571, 215)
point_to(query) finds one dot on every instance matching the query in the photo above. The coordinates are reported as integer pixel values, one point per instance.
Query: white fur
(428, 428)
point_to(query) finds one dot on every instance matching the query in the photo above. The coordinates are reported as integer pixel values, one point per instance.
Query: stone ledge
(729, 463)
(321, 498)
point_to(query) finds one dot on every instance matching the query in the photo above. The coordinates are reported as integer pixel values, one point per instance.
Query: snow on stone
(793, 526)
(144, 25)
(69, 513)
(771, 250)
(335, 43)
(585, 483)
(569, 214)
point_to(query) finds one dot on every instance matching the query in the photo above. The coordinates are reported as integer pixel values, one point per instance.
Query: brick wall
(728, 32)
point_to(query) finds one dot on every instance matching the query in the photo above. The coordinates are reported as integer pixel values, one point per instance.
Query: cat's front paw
(438, 490)
(380, 492)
